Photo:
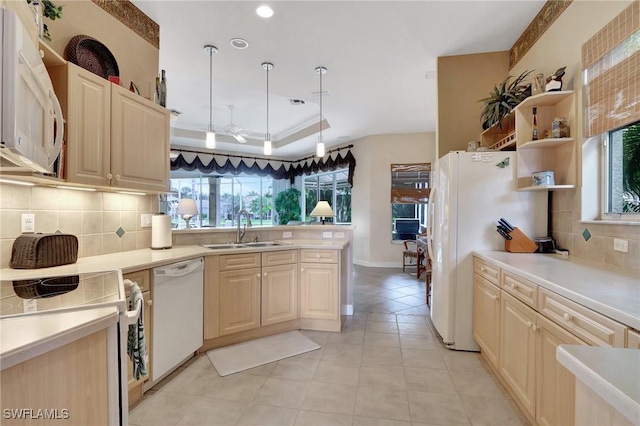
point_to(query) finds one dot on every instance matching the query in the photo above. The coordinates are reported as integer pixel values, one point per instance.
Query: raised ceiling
(377, 55)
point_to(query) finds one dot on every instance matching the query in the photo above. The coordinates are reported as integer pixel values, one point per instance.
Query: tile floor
(386, 368)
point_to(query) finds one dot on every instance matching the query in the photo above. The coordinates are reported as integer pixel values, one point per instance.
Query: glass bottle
(163, 90)
(534, 132)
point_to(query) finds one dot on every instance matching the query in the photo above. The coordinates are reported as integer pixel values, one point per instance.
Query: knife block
(519, 243)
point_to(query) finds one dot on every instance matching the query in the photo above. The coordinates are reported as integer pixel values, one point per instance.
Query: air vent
(297, 102)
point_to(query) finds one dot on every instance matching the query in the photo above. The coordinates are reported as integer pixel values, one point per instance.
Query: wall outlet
(327, 234)
(286, 234)
(28, 222)
(339, 234)
(145, 220)
(621, 245)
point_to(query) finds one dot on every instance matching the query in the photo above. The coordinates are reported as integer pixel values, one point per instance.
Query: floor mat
(243, 356)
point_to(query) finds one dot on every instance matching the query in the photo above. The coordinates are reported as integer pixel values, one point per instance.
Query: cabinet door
(633, 339)
(239, 301)
(319, 291)
(139, 142)
(555, 395)
(518, 349)
(279, 294)
(486, 318)
(135, 386)
(88, 135)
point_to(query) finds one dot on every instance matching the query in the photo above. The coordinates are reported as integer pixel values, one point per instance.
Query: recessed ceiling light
(239, 43)
(264, 11)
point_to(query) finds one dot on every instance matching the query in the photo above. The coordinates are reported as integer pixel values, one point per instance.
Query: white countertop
(612, 373)
(611, 291)
(135, 260)
(314, 227)
(22, 338)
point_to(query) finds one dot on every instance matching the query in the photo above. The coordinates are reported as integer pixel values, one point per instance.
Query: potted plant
(287, 204)
(51, 11)
(503, 98)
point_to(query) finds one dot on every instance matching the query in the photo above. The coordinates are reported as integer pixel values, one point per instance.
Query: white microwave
(31, 122)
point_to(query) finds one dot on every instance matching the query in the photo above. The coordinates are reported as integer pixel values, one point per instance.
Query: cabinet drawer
(590, 326)
(229, 262)
(487, 271)
(284, 257)
(520, 288)
(319, 256)
(140, 277)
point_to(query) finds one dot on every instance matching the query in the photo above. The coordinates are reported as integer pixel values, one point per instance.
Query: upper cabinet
(114, 137)
(559, 155)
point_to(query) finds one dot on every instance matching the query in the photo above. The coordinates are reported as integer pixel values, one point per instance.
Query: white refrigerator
(470, 192)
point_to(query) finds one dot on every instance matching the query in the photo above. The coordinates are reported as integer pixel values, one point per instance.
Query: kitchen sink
(264, 244)
(224, 246)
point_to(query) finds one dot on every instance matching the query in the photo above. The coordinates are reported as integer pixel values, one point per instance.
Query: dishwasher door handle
(179, 269)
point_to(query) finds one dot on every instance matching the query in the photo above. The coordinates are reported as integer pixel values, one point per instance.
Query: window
(622, 171)
(332, 187)
(220, 198)
(409, 198)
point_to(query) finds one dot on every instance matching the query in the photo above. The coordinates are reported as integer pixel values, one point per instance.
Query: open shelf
(545, 143)
(546, 187)
(544, 99)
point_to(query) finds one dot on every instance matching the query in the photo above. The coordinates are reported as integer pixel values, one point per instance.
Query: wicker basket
(90, 54)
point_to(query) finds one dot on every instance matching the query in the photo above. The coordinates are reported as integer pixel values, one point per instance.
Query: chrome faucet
(240, 234)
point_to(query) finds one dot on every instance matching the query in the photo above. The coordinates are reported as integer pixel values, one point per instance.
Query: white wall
(370, 203)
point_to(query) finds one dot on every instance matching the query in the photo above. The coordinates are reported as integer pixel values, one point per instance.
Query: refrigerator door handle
(430, 218)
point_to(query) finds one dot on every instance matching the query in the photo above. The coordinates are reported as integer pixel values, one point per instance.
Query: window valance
(208, 163)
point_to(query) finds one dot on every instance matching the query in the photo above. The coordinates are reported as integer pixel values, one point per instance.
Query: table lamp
(322, 209)
(187, 209)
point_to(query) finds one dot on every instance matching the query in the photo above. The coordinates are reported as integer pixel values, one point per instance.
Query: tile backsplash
(593, 241)
(104, 222)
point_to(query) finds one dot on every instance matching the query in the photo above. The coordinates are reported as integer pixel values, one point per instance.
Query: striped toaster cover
(32, 251)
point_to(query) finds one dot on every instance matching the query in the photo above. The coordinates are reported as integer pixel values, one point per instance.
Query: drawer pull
(265, 274)
(529, 324)
(512, 285)
(567, 317)
(109, 176)
(258, 275)
(149, 302)
(301, 269)
(483, 269)
(318, 256)
(494, 297)
(535, 327)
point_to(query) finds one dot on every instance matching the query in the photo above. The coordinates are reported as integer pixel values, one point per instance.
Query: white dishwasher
(177, 315)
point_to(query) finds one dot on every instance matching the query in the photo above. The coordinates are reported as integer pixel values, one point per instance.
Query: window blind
(611, 66)
(410, 183)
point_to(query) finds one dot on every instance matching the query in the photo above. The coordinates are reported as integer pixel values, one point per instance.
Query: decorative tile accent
(586, 234)
(127, 13)
(120, 232)
(541, 23)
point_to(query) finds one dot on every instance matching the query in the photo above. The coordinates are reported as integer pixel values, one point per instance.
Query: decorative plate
(90, 54)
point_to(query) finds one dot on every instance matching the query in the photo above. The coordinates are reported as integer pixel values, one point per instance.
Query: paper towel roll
(160, 231)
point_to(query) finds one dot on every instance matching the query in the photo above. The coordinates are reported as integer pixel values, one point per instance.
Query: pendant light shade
(320, 146)
(267, 66)
(211, 134)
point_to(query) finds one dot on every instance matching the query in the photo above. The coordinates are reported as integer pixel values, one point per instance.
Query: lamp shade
(322, 209)
(187, 206)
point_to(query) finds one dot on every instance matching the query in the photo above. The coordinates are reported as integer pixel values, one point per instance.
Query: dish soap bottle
(163, 90)
(534, 132)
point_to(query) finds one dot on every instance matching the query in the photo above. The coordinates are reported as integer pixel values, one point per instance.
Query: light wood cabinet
(239, 300)
(633, 339)
(136, 386)
(559, 155)
(555, 395)
(486, 318)
(518, 350)
(521, 289)
(73, 377)
(487, 271)
(114, 137)
(319, 291)
(279, 294)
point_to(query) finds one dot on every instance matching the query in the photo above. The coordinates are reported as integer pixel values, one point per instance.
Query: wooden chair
(412, 255)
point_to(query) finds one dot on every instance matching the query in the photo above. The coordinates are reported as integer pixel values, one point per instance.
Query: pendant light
(267, 66)
(211, 134)
(320, 146)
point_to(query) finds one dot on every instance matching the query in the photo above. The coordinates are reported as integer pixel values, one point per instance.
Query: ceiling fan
(237, 132)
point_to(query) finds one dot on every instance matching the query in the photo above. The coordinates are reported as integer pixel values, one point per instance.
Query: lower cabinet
(279, 294)
(136, 386)
(633, 339)
(319, 291)
(555, 396)
(486, 318)
(239, 300)
(518, 350)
